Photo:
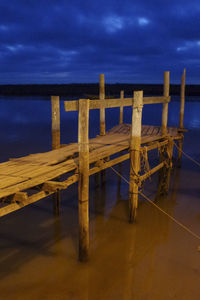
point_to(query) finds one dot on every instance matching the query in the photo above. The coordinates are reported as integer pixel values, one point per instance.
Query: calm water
(152, 259)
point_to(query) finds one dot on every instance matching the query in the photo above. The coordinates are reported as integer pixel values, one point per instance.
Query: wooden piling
(165, 105)
(83, 142)
(182, 105)
(135, 143)
(55, 129)
(121, 108)
(56, 203)
(55, 133)
(102, 109)
(166, 156)
(168, 167)
(180, 149)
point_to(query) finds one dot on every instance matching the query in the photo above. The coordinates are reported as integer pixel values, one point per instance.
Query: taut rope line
(188, 156)
(160, 209)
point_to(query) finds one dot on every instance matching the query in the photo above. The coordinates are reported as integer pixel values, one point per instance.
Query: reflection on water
(152, 259)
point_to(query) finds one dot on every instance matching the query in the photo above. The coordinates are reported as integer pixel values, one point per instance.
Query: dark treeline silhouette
(89, 90)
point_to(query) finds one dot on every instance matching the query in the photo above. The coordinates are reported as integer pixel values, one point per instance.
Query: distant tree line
(85, 90)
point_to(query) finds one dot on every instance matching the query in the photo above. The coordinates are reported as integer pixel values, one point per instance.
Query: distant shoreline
(82, 90)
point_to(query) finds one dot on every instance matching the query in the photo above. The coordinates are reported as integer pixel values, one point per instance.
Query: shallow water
(152, 259)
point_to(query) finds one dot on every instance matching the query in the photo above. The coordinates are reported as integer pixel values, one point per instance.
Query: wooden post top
(166, 84)
(138, 99)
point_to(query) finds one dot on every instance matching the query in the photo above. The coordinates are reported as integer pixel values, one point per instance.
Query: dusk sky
(55, 41)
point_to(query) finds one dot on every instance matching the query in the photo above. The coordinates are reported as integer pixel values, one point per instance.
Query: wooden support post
(83, 141)
(55, 111)
(182, 104)
(55, 133)
(135, 143)
(165, 105)
(56, 203)
(166, 156)
(180, 148)
(102, 109)
(168, 168)
(121, 108)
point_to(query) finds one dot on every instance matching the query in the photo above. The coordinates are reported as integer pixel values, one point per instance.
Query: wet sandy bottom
(152, 259)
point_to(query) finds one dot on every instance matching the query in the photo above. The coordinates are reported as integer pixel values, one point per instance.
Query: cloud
(74, 41)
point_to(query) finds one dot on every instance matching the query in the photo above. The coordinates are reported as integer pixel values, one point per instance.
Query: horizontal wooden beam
(111, 103)
(53, 186)
(15, 206)
(152, 171)
(109, 164)
(155, 145)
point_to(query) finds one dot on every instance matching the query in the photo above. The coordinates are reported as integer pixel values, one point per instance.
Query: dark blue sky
(53, 41)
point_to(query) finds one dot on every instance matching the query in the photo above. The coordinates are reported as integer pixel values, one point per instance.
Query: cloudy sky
(64, 41)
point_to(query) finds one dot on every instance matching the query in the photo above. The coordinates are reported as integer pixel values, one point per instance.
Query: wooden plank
(111, 103)
(8, 181)
(64, 168)
(15, 206)
(115, 143)
(52, 186)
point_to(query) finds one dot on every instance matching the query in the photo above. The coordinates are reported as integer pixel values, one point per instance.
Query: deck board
(23, 173)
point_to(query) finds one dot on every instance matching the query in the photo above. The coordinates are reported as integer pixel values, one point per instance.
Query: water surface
(152, 259)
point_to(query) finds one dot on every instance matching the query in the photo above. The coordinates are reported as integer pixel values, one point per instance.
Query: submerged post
(182, 105)
(55, 129)
(121, 108)
(135, 143)
(102, 109)
(83, 185)
(165, 105)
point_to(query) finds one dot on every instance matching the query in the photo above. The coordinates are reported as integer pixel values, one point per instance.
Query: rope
(172, 218)
(188, 156)
(160, 209)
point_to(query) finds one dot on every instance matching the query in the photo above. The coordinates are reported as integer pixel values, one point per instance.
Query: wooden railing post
(55, 128)
(165, 105)
(135, 143)
(83, 186)
(121, 108)
(55, 133)
(182, 105)
(102, 109)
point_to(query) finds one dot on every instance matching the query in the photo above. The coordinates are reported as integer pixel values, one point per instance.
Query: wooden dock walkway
(28, 179)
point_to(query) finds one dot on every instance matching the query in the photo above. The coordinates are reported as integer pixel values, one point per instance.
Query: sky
(62, 41)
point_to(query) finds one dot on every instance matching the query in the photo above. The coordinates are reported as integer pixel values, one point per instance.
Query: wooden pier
(28, 179)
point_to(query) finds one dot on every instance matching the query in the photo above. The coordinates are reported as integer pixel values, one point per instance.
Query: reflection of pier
(28, 179)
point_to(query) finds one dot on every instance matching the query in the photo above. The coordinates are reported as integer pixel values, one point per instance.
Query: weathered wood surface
(55, 115)
(111, 103)
(182, 106)
(165, 105)
(135, 145)
(26, 172)
(83, 184)
(102, 106)
(121, 108)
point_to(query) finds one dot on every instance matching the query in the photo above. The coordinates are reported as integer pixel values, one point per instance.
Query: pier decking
(28, 179)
